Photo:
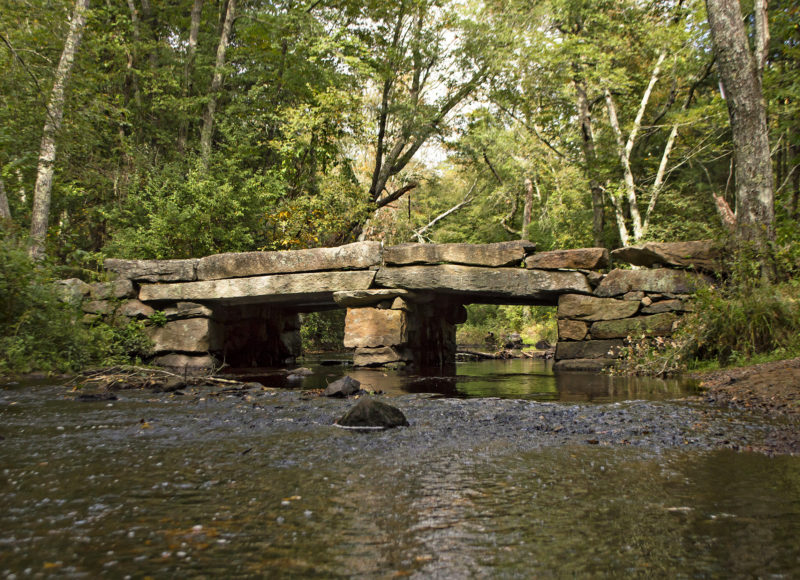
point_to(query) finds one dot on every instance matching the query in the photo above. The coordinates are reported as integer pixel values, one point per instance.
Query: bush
(729, 325)
(532, 322)
(41, 332)
(323, 331)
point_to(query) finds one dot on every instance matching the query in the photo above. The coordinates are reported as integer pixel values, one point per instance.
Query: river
(549, 476)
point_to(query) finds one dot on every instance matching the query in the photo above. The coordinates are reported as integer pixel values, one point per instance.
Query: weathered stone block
(368, 297)
(589, 349)
(637, 296)
(365, 357)
(511, 283)
(582, 258)
(401, 304)
(664, 306)
(488, 255)
(72, 290)
(572, 330)
(371, 327)
(655, 325)
(590, 308)
(187, 310)
(311, 288)
(357, 256)
(702, 255)
(153, 270)
(618, 282)
(97, 307)
(191, 364)
(135, 309)
(122, 288)
(190, 335)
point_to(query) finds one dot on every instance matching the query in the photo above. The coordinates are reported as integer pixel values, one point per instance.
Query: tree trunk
(55, 113)
(5, 211)
(526, 209)
(738, 69)
(590, 157)
(191, 50)
(216, 84)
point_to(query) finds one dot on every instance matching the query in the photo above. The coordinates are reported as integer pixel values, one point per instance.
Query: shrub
(39, 331)
(323, 331)
(729, 325)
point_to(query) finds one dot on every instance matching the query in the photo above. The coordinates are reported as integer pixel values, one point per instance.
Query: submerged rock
(91, 397)
(371, 414)
(344, 387)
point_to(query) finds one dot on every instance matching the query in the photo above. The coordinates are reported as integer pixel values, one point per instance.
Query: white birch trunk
(55, 112)
(527, 209)
(5, 211)
(625, 148)
(658, 183)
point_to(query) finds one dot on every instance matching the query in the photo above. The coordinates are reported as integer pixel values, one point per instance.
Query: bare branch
(397, 194)
(466, 201)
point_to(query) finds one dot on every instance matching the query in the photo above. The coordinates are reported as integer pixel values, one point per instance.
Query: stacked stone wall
(631, 304)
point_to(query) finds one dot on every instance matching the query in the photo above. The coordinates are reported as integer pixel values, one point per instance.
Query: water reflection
(511, 379)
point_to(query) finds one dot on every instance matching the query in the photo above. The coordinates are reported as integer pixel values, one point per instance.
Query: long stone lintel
(284, 289)
(477, 284)
(356, 256)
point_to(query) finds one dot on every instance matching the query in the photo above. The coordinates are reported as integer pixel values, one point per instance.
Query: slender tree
(191, 51)
(55, 113)
(216, 83)
(5, 211)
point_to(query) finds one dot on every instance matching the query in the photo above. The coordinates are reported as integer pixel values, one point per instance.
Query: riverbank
(772, 388)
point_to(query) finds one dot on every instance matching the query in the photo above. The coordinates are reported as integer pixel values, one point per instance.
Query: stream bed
(611, 478)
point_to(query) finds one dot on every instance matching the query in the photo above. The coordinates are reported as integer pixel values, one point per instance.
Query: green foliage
(158, 318)
(323, 331)
(730, 325)
(177, 214)
(41, 331)
(37, 330)
(533, 323)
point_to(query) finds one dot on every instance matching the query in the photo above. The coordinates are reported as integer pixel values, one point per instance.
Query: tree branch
(466, 201)
(397, 194)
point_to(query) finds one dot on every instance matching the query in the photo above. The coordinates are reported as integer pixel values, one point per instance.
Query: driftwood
(499, 355)
(133, 377)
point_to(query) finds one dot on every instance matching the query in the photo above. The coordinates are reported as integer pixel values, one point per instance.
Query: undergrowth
(491, 325)
(39, 331)
(747, 320)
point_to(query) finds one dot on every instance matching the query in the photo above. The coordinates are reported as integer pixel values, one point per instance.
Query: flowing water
(258, 483)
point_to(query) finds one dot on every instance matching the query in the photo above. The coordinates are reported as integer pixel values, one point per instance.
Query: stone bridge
(403, 302)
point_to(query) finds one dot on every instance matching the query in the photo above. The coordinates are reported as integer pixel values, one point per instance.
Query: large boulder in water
(344, 387)
(371, 414)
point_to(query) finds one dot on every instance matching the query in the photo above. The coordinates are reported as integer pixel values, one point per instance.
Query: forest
(183, 128)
